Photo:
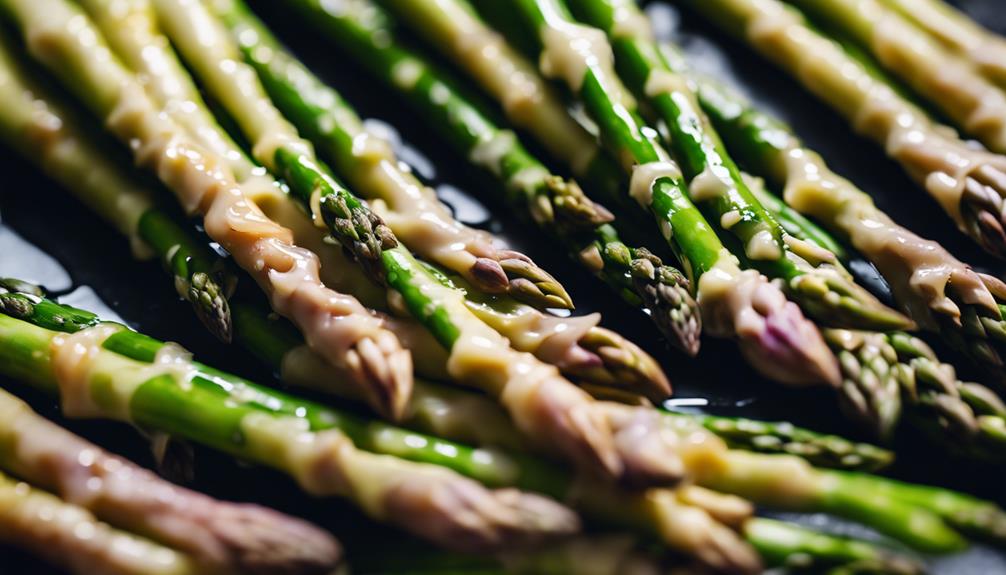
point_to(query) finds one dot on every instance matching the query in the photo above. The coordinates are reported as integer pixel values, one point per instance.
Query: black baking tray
(48, 237)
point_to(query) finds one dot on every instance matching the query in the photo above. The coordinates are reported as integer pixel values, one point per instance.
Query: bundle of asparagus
(177, 530)
(202, 399)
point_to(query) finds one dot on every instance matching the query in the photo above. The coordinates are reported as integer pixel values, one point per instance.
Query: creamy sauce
(763, 246)
(645, 176)
(660, 82)
(933, 156)
(628, 21)
(570, 50)
(712, 183)
(783, 481)
(527, 100)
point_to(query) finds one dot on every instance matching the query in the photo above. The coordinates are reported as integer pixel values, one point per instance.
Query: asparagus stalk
(218, 537)
(975, 104)
(768, 346)
(783, 481)
(983, 49)
(106, 549)
(545, 406)
(813, 278)
(60, 35)
(43, 133)
(968, 183)
(554, 204)
(937, 290)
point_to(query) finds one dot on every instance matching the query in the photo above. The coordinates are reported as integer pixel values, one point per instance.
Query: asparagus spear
(46, 135)
(217, 536)
(58, 540)
(554, 204)
(783, 481)
(545, 406)
(985, 50)
(937, 290)
(968, 183)
(718, 186)
(975, 104)
(777, 351)
(60, 34)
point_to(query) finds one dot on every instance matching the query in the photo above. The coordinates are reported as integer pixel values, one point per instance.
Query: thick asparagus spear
(169, 393)
(777, 351)
(61, 36)
(545, 406)
(937, 290)
(783, 481)
(985, 50)
(975, 104)
(968, 183)
(554, 204)
(23, 513)
(46, 135)
(217, 536)
(717, 185)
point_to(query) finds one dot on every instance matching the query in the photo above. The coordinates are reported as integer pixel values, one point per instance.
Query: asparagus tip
(384, 369)
(14, 285)
(650, 456)
(531, 284)
(622, 365)
(839, 301)
(360, 231)
(209, 301)
(665, 291)
(784, 345)
(572, 207)
(983, 212)
(16, 305)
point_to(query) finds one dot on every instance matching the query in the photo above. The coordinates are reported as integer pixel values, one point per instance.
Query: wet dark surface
(47, 237)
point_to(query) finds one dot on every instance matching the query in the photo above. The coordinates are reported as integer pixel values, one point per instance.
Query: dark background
(48, 237)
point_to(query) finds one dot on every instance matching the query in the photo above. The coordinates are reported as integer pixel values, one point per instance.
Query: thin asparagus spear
(23, 513)
(46, 135)
(938, 291)
(60, 35)
(169, 393)
(545, 406)
(955, 30)
(968, 183)
(217, 536)
(553, 203)
(784, 481)
(775, 350)
(975, 104)
(813, 278)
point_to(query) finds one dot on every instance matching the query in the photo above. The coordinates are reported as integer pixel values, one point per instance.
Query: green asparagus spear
(554, 204)
(975, 104)
(954, 301)
(968, 183)
(45, 134)
(776, 350)
(813, 278)
(783, 481)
